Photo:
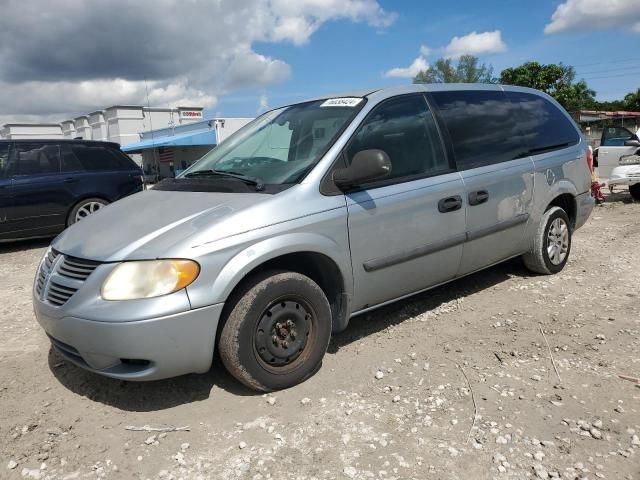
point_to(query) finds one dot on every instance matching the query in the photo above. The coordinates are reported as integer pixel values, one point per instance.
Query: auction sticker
(341, 102)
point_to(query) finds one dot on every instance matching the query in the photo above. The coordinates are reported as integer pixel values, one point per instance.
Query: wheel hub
(282, 332)
(558, 241)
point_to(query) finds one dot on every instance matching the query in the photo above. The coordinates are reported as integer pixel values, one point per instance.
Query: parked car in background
(628, 173)
(309, 215)
(47, 185)
(614, 143)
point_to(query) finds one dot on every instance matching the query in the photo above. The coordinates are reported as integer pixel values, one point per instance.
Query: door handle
(476, 198)
(71, 180)
(450, 204)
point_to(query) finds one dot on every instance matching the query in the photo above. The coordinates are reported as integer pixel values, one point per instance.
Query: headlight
(147, 279)
(629, 160)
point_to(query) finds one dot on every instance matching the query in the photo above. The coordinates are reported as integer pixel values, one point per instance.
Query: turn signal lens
(148, 279)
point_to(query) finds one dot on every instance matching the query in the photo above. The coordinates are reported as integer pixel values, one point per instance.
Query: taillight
(589, 158)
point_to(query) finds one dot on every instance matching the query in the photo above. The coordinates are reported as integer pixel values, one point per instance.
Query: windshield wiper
(259, 184)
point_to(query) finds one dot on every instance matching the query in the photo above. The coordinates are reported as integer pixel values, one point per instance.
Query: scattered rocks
(379, 375)
(540, 471)
(350, 472)
(12, 464)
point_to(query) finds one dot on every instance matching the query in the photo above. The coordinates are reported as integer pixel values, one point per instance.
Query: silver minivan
(312, 214)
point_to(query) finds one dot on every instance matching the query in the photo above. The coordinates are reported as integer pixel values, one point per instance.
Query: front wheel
(277, 331)
(552, 243)
(84, 208)
(634, 190)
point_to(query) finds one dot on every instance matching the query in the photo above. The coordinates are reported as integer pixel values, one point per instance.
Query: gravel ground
(395, 398)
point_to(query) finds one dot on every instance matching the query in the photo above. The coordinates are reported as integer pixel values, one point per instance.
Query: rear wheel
(634, 190)
(552, 243)
(277, 331)
(84, 208)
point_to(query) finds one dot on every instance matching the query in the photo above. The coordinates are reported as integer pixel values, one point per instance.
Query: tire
(552, 243)
(276, 332)
(634, 190)
(87, 206)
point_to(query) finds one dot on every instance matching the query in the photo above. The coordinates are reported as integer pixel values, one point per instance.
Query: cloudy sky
(238, 57)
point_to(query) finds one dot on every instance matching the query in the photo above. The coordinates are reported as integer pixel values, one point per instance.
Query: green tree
(468, 69)
(631, 101)
(555, 79)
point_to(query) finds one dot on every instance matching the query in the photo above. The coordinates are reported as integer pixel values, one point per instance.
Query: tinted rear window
(97, 158)
(544, 126)
(482, 127)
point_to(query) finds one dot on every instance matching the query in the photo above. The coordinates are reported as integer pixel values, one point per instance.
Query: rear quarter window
(99, 158)
(544, 126)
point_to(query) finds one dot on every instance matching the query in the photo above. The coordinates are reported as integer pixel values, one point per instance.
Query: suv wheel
(277, 331)
(85, 208)
(552, 243)
(634, 190)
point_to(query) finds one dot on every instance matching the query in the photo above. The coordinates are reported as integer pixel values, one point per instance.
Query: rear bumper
(584, 203)
(151, 349)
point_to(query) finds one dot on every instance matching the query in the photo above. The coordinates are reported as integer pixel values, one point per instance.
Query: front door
(611, 148)
(406, 231)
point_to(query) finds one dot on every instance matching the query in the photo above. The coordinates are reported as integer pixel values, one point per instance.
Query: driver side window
(616, 136)
(404, 129)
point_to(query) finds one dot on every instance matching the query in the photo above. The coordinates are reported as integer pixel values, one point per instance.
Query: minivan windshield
(279, 147)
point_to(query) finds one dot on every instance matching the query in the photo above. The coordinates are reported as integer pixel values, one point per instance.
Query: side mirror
(366, 165)
(632, 143)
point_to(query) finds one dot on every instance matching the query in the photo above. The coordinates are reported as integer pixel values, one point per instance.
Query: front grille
(59, 278)
(45, 270)
(59, 294)
(76, 268)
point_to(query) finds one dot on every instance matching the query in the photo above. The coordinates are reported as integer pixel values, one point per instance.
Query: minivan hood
(147, 224)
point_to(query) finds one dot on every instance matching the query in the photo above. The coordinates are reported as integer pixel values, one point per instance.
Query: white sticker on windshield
(341, 102)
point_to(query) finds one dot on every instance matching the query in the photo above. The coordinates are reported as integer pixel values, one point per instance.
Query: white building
(120, 124)
(98, 126)
(21, 131)
(82, 127)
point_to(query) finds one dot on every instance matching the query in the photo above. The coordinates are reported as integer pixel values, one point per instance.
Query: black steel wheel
(276, 331)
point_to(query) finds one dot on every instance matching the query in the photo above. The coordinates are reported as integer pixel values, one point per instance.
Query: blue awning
(191, 139)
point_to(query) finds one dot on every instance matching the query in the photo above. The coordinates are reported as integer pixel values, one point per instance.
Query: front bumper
(149, 349)
(625, 175)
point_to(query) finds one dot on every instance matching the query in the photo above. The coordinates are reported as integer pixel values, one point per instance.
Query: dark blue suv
(46, 185)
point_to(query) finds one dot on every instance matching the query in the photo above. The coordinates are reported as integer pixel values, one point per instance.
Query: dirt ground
(395, 398)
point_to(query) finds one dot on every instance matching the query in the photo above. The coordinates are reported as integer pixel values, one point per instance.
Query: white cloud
(425, 51)
(585, 15)
(408, 72)
(190, 52)
(263, 103)
(474, 44)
